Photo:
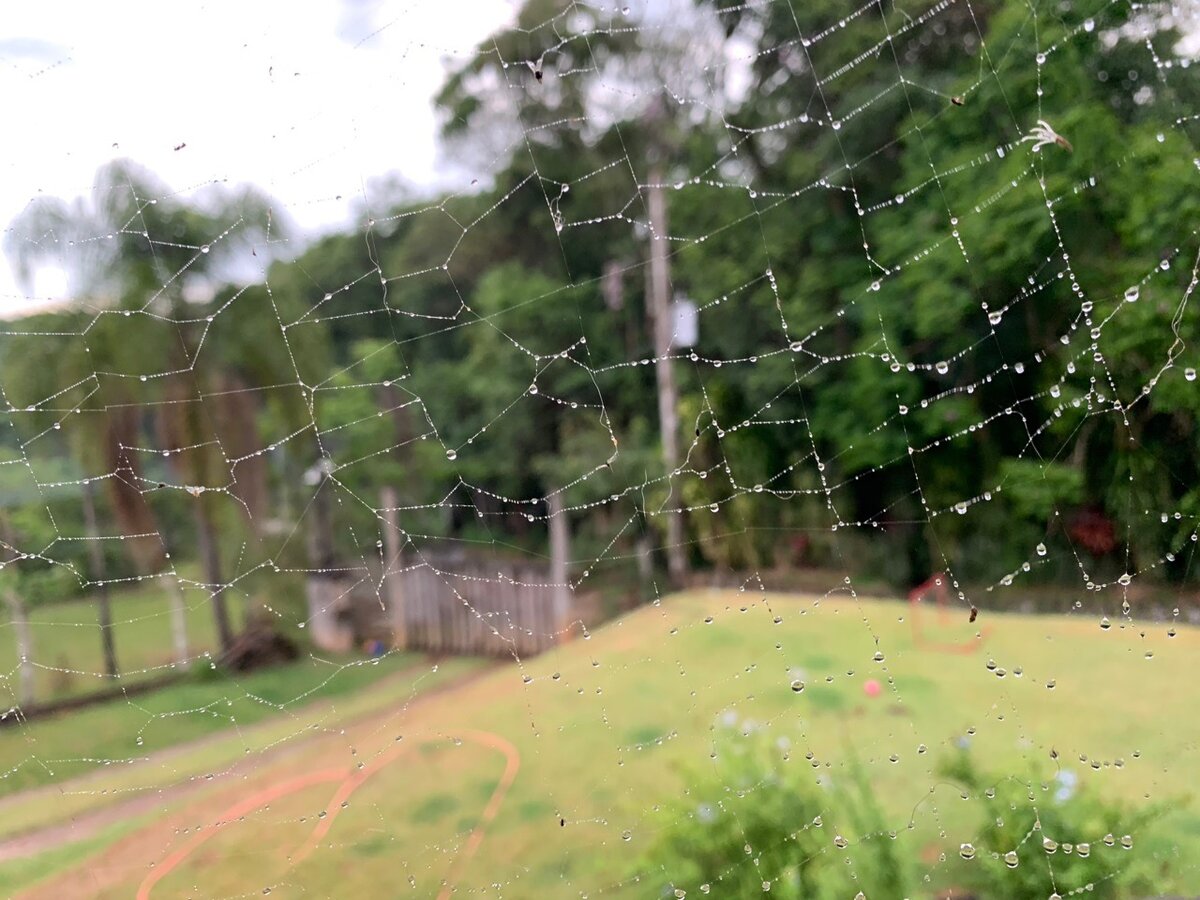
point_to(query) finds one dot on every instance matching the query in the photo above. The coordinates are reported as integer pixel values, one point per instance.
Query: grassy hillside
(611, 730)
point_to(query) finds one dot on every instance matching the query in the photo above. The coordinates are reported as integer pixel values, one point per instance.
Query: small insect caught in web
(179, 146)
(535, 66)
(1044, 134)
(958, 101)
(974, 614)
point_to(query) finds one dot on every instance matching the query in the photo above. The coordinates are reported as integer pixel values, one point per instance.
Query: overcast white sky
(307, 99)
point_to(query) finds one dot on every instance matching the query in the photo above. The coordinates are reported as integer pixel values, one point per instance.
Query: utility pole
(100, 575)
(668, 394)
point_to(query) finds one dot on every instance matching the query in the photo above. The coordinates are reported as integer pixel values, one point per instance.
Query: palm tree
(137, 257)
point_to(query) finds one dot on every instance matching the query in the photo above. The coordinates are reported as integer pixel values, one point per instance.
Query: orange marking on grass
(350, 781)
(241, 808)
(512, 763)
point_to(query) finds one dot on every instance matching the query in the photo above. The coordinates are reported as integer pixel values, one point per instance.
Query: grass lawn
(127, 732)
(610, 732)
(66, 640)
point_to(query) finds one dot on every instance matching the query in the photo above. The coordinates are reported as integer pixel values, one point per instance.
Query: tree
(136, 253)
(562, 94)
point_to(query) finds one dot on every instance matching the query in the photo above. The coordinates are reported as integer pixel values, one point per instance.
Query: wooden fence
(480, 609)
(468, 607)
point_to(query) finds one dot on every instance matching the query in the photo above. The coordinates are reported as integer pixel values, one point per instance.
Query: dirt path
(87, 824)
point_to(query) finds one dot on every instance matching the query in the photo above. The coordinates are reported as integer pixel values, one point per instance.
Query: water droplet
(966, 851)
(840, 842)
(1104, 623)
(1132, 294)
(1041, 549)
(797, 686)
(1049, 845)
(451, 455)
(878, 657)
(627, 835)
(1126, 842)
(1010, 859)
(1189, 373)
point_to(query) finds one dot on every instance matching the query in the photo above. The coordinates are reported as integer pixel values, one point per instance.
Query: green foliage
(757, 816)
(897, 305)
(1034, 490)
(1045, 838)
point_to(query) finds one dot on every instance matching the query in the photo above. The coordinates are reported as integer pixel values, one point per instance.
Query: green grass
(18, 874)
(208, 701)
(637, 710)
(66, 640)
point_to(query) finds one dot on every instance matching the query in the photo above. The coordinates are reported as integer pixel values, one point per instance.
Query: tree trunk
(393, 582)
(668, 398)
(210, 556)
(100, 575)
(20, 622)
(320, 532)
(133, 514)
(236, 414)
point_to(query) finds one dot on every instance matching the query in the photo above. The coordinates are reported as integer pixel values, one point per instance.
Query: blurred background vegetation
(924, 346)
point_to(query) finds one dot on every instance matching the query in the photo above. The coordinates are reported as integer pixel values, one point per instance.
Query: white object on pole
(685, 331)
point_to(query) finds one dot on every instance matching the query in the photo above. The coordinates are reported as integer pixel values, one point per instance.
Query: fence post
(393, 580)
(179, 628)
(560, 554)
(20, 623)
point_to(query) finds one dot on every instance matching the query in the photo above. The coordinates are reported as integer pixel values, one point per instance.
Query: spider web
(410, 594)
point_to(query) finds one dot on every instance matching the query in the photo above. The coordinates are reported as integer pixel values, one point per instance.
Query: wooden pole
(393, 580)
(668, 395)
(560, 555)
(26, 691)
(179, 632)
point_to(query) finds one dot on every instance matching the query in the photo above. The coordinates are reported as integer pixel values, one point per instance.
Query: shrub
(1092, 843)
(758, 817)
